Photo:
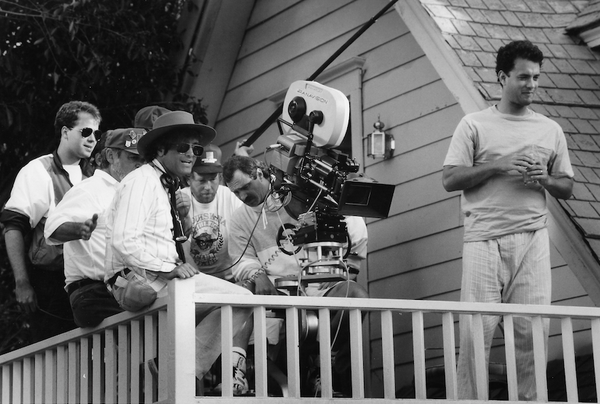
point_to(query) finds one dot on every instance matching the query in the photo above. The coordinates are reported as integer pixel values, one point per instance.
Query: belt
(73, 286)
(122, 273)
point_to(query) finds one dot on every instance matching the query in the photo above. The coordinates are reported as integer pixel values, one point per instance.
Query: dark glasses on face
(184, 147)
(86, 132)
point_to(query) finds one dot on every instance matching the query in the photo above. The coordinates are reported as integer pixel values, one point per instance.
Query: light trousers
(208, 318)
(511, 269)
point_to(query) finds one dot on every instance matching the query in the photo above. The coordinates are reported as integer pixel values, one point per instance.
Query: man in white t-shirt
(207, 227)
(505, 159)
(39, 186)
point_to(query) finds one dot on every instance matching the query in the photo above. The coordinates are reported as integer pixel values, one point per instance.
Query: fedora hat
(171, 123)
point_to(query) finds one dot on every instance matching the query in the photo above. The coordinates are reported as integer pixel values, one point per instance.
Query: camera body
(321, 180)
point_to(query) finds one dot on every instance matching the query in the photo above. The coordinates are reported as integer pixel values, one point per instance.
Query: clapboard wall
(415, 253)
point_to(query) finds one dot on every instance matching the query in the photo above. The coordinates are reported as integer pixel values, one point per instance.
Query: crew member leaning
(504, 159)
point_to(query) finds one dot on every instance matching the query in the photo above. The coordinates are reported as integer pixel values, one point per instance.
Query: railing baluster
(481, 370)
(596, 352)
(325, 352)
(569, 359)
(122, 362)
(28, 372)
(50, 373)
(356, 344)
(539, 355)
(17, 382)
(419, 355)
(163, 356)
(39, 378)
(135, 360)
(511, 358)
(97, 375)
(293, 354)
(449, 356)
(74, 379)
(150, 353)
(226, 354)
(387, 348)
(6, 384)
(84, 374)
(260, 352)
(110, 367)
(61, 373)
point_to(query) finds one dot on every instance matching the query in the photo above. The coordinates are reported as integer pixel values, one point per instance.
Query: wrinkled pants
(511, 269)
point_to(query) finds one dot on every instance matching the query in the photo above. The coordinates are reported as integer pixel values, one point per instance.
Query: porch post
(182, 341)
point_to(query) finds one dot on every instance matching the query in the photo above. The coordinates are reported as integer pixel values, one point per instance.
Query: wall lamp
(379, 143)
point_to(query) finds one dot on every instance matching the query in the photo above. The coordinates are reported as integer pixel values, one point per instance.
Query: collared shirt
(139, 228)
(84, 258)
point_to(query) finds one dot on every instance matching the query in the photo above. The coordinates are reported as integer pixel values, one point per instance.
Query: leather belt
(73, 286)
(122, 273)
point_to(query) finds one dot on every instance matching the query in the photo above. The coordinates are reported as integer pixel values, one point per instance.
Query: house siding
(415, 253)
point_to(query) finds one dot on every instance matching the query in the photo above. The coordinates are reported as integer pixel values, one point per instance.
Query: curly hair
(505, 60)
(68, 114)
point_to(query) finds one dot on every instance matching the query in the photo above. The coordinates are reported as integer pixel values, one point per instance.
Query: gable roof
(569, 90)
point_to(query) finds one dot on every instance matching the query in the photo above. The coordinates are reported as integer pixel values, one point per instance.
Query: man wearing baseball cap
(79, 221)
(145, 237)
(146, 116)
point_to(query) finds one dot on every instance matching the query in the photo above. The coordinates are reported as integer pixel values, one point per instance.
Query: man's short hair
(68, 114)
(505, 60)
(245, 164)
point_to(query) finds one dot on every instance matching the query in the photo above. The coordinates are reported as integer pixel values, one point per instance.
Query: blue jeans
(92, 303)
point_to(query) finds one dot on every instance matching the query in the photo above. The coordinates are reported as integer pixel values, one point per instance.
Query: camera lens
(297, 109)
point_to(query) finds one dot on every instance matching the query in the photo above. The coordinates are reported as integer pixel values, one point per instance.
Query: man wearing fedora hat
(79, 221)
(144, 233)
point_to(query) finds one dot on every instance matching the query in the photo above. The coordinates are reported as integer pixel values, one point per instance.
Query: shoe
(240, 384)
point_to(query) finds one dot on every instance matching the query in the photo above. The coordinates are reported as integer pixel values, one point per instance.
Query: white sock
(239, 358)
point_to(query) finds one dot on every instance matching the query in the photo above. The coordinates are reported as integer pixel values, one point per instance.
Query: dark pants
(92, 303)
(53, 315)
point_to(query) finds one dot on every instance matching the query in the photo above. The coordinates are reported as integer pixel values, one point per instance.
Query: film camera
(321, 182)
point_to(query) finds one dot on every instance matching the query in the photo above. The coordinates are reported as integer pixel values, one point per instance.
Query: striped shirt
(139, 224)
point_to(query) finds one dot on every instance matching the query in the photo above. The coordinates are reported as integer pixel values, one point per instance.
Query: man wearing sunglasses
(145, 235)
(79, 221)
(39, 186)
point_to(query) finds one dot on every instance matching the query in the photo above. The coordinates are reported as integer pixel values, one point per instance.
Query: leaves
(115, 54)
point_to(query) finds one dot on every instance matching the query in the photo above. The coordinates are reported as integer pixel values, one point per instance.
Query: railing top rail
(78, 333)
(372, 304)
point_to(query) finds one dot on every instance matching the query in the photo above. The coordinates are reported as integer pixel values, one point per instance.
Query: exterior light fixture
(379, 143)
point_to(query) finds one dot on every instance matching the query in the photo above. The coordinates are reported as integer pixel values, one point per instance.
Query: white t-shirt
(209, 236)
(33, 191)
(502, 204)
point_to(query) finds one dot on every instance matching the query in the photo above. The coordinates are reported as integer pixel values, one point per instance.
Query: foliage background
(116, 54)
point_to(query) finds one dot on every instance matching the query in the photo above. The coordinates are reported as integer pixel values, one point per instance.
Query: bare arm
(15, 249)
(69, 231)
(458, 178)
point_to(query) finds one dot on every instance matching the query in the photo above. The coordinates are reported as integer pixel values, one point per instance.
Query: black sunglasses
(86, 132)
(184, 147)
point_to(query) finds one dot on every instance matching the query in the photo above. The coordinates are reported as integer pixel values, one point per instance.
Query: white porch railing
(107, 364)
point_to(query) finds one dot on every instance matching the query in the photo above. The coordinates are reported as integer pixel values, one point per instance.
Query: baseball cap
(146, 116)
(210, 161)
(124, 139)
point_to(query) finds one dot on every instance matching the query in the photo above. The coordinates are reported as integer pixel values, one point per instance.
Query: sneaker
(240, 384)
